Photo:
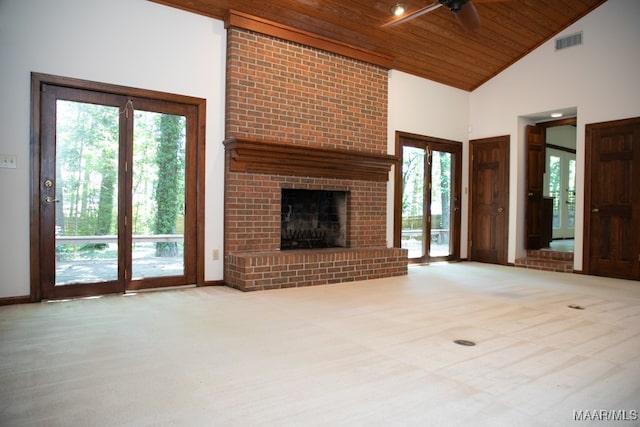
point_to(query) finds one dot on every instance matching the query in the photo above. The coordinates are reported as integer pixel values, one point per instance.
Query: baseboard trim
(25, 299)
(214, 283)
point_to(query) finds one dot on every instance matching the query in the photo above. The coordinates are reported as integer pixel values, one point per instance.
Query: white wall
(423, 107)
(600, 78)
(126, 42)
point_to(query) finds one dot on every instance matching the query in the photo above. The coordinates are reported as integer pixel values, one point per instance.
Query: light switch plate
(8, 162)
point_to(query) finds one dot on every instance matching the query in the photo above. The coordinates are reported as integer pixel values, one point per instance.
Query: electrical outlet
(8, 162)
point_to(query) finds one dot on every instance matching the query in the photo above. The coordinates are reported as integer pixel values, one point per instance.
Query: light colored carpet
(373, 353)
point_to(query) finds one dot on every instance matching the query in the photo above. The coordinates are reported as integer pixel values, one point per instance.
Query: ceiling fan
(464, 10)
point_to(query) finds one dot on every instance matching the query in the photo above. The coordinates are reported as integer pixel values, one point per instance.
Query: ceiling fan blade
(468, 16)
(413, 14)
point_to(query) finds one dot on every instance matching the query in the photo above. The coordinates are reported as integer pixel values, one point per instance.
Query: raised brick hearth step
(285, 269)
(548, 260)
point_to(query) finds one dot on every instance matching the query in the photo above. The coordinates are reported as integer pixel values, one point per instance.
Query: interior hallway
(378, 352)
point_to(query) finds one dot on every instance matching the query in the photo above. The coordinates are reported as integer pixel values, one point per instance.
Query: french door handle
(500, 210)
(48, 200)
(595, 210)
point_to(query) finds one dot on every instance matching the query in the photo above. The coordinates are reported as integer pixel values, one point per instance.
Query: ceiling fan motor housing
(453, 5)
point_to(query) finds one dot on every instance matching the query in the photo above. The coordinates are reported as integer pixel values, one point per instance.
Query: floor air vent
(569, 41)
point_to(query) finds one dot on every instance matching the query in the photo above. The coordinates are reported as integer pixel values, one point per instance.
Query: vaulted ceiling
(434, 45)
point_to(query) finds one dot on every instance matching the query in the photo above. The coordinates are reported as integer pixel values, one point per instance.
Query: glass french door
(116, 209)
(429, 205)
(561, 186)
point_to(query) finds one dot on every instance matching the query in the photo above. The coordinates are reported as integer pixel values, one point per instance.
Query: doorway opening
(551, 182)
(550, 192)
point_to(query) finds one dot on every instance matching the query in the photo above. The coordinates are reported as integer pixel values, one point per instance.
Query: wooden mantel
(299, 160)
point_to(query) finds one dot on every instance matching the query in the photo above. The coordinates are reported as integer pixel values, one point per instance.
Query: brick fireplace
(300, 117)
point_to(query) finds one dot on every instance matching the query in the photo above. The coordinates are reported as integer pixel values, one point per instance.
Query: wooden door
(489, 200)
(536, 158)
(427, 198)
(612, 199)
(114, 200)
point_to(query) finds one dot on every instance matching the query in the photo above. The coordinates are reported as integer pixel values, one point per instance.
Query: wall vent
(569, 41)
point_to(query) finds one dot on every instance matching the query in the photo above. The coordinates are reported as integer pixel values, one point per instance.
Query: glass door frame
(43, 245)
(430, 144)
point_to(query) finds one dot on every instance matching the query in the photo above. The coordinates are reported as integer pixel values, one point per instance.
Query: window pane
(440, 203)
(86, 192)
(571, 195)
(413, 237)
(158, 195)
(554, 188)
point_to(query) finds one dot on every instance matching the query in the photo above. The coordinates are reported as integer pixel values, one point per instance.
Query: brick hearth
(272, 270)
(300, 117)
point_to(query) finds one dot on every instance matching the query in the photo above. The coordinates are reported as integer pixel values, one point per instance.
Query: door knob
(48, 200)
(500, 210)
(595, 210)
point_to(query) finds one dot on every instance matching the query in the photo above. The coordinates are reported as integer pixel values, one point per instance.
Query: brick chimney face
(280, 91)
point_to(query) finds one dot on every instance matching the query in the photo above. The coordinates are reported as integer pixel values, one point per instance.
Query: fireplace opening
(313, 219)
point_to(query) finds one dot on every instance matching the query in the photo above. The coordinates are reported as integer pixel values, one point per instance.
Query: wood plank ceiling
(434, 45)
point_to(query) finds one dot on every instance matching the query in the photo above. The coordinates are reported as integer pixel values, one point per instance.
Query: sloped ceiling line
(433, 46)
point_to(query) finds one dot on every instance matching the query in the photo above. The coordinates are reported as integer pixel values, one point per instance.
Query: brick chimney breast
(283, 92)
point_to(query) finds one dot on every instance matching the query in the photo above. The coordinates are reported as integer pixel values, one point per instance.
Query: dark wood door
(535, 231)
(489, 189)
(114, 198)
(612, 202)
(427, 198)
